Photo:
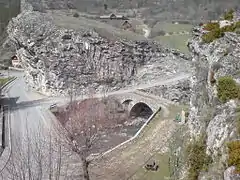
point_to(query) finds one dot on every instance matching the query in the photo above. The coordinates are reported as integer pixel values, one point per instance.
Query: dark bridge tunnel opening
(141, 110)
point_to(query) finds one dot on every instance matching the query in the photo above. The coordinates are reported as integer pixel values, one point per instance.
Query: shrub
(229, 28)
(212, 35)
(238, 125)
(75, 15)
(227, 89)
(237, 24)
(229, 15)
(211, 26)
(234, 154)
(197, 158)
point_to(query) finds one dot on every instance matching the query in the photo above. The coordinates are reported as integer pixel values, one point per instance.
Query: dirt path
(123, 162)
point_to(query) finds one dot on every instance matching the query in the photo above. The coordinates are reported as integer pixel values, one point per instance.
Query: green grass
(4, 80)
(169, 27)
(161, 159)
(162, 173)
(175, 42)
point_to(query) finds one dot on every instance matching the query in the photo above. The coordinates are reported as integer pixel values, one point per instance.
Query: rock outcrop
(57, 60)
(207, 114)
(43, 5)
(179, 91)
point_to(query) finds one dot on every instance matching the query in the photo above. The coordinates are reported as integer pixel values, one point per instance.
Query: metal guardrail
(5, 138)
(4, 126)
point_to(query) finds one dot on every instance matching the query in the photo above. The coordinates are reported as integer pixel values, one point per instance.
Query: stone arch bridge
(142, 104)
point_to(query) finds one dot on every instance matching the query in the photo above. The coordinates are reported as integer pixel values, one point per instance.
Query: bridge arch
(127, 101)
(140, 109)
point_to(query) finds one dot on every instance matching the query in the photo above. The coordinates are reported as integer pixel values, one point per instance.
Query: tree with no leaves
(84, 124)
(35, 157)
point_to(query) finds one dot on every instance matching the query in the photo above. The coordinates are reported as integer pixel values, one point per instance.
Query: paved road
(30, 130)
(158, 82)
(24, 115)
(30, 122)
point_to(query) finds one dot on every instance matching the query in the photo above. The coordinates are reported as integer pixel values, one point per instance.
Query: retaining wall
(136, 135)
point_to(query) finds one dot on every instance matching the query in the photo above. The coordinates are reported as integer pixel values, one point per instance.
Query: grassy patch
(197, 158)
(234, 155)
(161, 159)
(227, 89)
(162, 173)
(169, 27)
(4, 80)
(175, 41)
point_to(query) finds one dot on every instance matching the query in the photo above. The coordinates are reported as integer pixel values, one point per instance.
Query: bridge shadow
(13, 103)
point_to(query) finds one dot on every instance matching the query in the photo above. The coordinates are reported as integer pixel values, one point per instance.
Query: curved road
(31, 122)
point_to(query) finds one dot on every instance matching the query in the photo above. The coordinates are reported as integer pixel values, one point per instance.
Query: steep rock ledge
(207, 114)
(56, 59)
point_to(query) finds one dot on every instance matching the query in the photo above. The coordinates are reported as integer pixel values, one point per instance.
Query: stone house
(15, 61)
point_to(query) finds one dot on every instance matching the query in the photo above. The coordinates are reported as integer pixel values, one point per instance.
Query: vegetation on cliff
(228, 15)
(197, 158)
(233, 155)
(227, 89)
(216, 32)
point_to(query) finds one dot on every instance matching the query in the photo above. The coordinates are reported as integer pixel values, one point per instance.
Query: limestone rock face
(220, 128)
(207, 114)
(220, 57)
(57, 60)
(230, 175)
(179, 91)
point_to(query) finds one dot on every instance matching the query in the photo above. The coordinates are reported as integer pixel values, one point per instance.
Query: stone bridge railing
(153, 102)
(132, 99)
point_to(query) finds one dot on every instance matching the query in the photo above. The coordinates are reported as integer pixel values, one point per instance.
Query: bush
(234, 154)
(76, 15)
(229, 28)
(237, 24)
(211, 26)
(212, 35)
(227, 89)
(197, 159)
(238, 125)
(229, 15)
(216, 32)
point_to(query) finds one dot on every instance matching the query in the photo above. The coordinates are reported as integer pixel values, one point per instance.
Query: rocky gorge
(57, 60)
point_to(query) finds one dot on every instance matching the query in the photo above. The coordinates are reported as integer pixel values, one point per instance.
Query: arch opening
(127, 102)
(140, 110)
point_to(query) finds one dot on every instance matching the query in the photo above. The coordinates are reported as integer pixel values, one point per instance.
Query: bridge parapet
(132, 99)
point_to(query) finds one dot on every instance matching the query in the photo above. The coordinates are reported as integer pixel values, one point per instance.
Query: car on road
(53, 106)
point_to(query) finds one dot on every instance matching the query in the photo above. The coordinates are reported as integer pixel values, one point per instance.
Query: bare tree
(35, 157)
(84, 123)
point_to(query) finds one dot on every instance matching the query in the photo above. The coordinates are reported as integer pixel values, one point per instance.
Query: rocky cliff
(209, 116)
(57, 59)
